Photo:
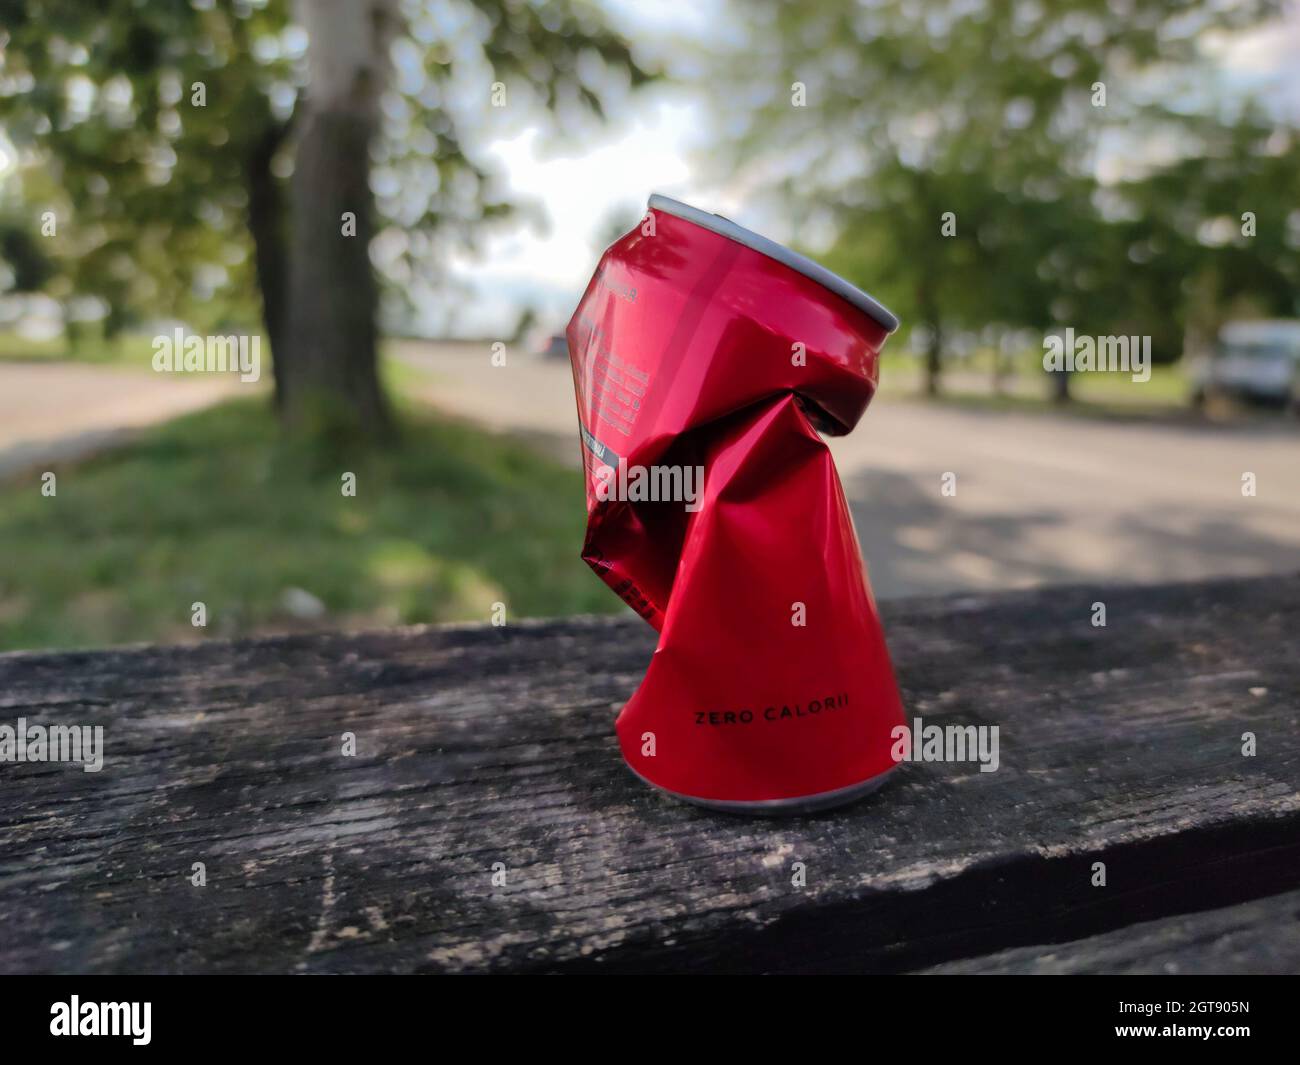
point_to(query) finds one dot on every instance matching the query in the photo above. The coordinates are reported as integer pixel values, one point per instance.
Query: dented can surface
(700, 346)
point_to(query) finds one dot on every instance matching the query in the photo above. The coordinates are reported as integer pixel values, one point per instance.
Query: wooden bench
(487, 823)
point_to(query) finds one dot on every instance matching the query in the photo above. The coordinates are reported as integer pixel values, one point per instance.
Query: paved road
(1047, 498)
(1041, 498)
(63, 410)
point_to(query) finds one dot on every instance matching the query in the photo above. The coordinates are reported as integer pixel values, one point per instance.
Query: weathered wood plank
(1262, 936)
(482, 745)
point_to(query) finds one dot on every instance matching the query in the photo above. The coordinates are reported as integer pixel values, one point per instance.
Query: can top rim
(827, 279)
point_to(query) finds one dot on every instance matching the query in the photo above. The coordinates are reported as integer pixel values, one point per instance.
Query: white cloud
(577, 193)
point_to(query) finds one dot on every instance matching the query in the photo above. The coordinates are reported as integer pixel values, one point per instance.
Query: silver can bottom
(796, 807)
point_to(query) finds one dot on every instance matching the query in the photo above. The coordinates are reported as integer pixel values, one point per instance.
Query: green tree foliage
(163, 136)
(150, 192)
(993, 114)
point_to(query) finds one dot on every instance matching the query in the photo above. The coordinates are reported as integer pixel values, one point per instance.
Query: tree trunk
(332, 383)
(1061, 386)
(930, 318)
(266, 224)
(933, 359)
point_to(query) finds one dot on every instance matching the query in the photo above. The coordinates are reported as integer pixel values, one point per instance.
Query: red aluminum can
(710, 359)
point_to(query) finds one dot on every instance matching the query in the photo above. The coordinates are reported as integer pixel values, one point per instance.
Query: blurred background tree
(164, 137)
(953, 148)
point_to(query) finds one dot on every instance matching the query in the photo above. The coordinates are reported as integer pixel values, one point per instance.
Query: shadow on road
(917, 542)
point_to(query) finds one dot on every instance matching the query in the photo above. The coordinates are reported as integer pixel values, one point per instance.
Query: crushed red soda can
(707, 362)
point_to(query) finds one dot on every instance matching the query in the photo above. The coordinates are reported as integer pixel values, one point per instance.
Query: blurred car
(555, 347)
(1255, 362)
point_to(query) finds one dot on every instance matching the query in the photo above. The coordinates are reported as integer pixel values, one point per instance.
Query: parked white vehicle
(1257, 362)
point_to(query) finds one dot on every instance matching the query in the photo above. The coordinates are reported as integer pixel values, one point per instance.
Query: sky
(656, 144)
(579, 193)
(651, 146)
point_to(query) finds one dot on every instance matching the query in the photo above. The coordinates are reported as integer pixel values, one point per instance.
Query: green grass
(133, 349)
(136, 350)
(216, 508)
(1026, 387)
(1168, 387)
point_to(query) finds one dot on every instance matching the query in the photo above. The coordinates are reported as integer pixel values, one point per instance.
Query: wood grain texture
(486, 745)
(1254, 937)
